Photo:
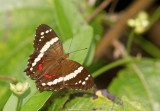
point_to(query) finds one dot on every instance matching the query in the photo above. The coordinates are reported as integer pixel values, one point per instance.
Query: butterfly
(51, 69)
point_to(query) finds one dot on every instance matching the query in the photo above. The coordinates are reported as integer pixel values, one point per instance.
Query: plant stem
(147, 46)
(112, 65)
(18, 103)
(8, 78)
(129, 43)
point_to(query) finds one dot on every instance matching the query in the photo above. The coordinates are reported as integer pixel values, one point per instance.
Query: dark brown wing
(47, 45)
(52, 77)
(68, 73)
(77, 77)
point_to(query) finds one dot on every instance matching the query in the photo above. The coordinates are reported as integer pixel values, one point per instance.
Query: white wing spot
(39, 39)
(76, 83)
(83, 83)
(47, 31)
(50, 30)
(86, 78)
(42, 36)
(42, 33)
(49, 83)
(80, 81)
(43, 84)
(31, 69)
(89, 75)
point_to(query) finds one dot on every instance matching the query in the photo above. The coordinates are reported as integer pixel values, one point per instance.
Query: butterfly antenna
(78, 50)
(70, 45)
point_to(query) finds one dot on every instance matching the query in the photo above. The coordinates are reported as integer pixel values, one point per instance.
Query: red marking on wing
(55, 75)
(40, 65)
(48, 76)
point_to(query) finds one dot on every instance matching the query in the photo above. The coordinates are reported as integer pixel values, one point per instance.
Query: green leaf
(129, 105)
(70, 21)
(86, 102)
(155, 16)
(82, 100)
(11, 104)
(129, 84)
(18, 24)
(82, 37)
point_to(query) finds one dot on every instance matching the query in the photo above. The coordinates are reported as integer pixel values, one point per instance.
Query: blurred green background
(134, 78)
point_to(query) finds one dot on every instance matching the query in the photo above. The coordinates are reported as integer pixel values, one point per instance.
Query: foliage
(18, 23)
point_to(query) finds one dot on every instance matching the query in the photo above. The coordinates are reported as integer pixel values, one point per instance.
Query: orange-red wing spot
(43, 60)
(46, 76)
(55, 75)
(50, 77)
(40, 65)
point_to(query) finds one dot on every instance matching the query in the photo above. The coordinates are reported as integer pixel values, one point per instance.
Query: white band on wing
(67, 77)
(44, 48)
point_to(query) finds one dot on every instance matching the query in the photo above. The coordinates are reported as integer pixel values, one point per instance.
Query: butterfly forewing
(47, 45)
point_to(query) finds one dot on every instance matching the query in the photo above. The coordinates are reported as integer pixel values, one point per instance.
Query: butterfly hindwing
(77, 77)
(52, 78)
(46, 45)
(69, 74)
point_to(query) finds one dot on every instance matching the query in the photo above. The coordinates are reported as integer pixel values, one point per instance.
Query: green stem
(112, 65)
(18, 102)
(155, 16)
(129, 43)
(147, 46)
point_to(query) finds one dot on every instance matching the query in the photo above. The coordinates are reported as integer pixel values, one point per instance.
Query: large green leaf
(33, 99)
(18, 23)
(88, 101)
(129, 84)
(70, 22)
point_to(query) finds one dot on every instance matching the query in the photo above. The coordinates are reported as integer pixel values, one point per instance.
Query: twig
(8, 78)
(116, 31)
(98, 9)
(113, 6)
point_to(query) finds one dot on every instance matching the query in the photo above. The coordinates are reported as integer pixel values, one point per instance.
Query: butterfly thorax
(62, 58)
